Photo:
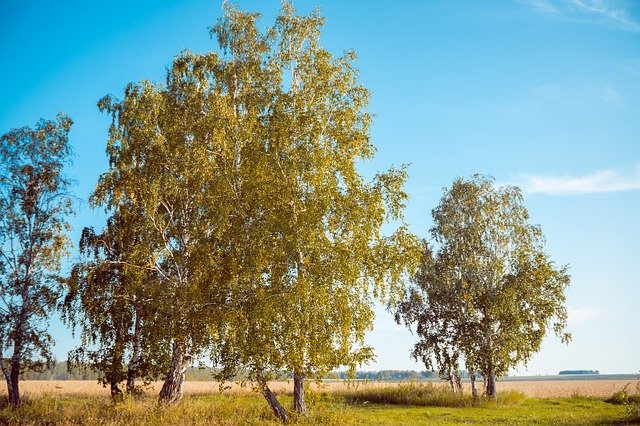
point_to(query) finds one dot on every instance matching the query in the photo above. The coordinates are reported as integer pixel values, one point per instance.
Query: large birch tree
(308, 306)
(264, 236)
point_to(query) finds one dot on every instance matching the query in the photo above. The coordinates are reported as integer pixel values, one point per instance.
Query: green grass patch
(405, 404)
(421, 394)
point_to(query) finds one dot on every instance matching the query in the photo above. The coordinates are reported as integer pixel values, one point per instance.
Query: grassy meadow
(522, 402)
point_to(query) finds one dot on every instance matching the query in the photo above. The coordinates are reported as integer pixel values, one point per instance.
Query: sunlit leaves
(34, 208)
(487, 292)
(316, 220)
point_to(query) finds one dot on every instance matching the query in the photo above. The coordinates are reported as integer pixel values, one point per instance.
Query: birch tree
(167, 151)
(113, 303)
(265, 239)
(307, 307)
(488, 289)
(34, 205)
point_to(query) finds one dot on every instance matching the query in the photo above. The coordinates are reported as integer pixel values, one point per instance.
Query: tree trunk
(474, 389)
(115, 390)
(9, 387)
(273, 402)
(14, 392)
(14, 373)
(131, 380)
(5, 371)
(491, 385)
(299, 405)
(450, 380)
(171, 391)
(458, 381)
(134, 363)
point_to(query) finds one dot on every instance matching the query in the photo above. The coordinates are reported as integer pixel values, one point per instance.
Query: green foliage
(382, 375)
(34, 206)
(424, 394)
(630, 401)
(563, 372)
(487, 293)
(305, 307)
(111, 301)
(238, 175)
(619, 397)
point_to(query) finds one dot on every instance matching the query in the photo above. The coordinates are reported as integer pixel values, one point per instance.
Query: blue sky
(541, 94)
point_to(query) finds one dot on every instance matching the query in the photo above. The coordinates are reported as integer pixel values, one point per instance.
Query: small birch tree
(34, 205)
(489, 291)
(112, 301)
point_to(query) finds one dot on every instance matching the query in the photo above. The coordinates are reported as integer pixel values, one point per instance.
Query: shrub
(424, 394)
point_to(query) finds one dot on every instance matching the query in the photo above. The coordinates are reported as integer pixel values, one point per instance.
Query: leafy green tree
(34, 205)
(308, 304)
(167, 156)
(489, 292)
(264, 238)
(112, 302)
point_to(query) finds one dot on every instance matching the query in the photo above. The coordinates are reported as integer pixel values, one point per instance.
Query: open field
(379, 403)
(324, 408)
(531, 388)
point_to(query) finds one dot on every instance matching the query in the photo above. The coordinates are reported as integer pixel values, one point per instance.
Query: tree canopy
(35, 204)
(263, 239)
(307, 308)
(486, 292)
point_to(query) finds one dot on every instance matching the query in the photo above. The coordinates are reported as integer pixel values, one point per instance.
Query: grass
(411, 403)
(420, 394)
(428, 404)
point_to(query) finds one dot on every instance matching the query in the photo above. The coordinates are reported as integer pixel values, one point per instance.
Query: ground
(520, 402)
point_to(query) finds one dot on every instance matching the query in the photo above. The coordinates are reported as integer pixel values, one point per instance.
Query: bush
(619, 398)
(511, 398)
(630, 401)
(423, 394)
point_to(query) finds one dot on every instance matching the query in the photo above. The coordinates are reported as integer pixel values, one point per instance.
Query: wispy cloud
(572, 95)
(604, 9)
(596, 182)
(553, 93)
(631, 66)
(579, 315)
(611, 95)
(600, 12)
(543, 6)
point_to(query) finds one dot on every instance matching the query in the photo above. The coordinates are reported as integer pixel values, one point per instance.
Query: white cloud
(575, 95)
(598, 12)
(579, 315)
(599, 181)
(631, 66)
(611, 95)
(541, 6)
(604, 9)
(552, 93)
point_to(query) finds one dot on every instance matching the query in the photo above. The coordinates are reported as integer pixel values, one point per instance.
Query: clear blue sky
(540, 93)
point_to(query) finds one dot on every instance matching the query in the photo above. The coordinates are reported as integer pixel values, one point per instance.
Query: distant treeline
(59, 371)
(391, 375)
(579, 372)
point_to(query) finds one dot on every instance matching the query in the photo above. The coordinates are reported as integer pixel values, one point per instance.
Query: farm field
(531, 387)
(519, 402)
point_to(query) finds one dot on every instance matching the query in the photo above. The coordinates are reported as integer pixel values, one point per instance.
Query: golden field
(531, 388)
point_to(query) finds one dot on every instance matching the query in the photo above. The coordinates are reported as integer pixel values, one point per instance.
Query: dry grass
(565, 388)
(537, 389)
